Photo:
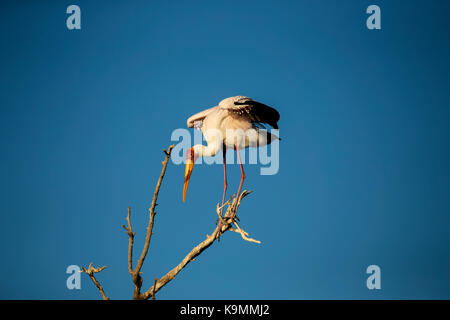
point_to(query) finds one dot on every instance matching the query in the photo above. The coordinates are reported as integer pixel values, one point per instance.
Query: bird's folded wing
(196, 121)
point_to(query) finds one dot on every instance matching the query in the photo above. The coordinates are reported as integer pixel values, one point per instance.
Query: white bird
(236, 123)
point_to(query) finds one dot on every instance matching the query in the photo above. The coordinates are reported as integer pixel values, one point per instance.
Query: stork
(235, 123)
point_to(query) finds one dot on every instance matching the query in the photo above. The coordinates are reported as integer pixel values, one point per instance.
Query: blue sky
(364, 176)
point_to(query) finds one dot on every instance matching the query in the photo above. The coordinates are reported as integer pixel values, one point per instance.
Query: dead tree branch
(90, 272)
(225, 224)
(196, 251)
(136, 273)
(130, 242)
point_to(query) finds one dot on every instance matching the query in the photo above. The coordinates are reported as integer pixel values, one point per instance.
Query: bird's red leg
(224, 151)
(242, 180)
(233, 214)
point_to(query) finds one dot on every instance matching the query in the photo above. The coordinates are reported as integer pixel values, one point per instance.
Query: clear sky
(363, 179)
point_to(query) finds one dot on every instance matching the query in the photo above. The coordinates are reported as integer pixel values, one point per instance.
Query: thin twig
(154, 286)
(243, 233)
(137, 279)
(90, 272)
(130, 242)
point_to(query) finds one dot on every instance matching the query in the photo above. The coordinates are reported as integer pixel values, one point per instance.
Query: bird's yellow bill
(187, 176)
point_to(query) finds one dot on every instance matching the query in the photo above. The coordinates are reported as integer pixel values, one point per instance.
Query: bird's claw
(224, 222)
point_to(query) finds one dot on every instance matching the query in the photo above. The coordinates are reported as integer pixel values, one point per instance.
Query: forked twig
(90, 272)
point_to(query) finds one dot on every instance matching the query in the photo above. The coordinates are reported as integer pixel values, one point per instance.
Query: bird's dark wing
(256, 112)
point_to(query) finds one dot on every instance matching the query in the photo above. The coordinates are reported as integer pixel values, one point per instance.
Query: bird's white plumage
(234, 122)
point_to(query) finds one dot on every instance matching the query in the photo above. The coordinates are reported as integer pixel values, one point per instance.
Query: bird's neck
(206, 151)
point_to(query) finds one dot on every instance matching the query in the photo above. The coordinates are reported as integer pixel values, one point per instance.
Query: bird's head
(191, 156)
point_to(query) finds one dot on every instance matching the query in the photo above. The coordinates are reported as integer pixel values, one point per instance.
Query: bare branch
(130, 242)
(154, 286)
(137, 279)
(243, 233)
(210, 239)
(225, 223)
(233, 219)
(90, 272)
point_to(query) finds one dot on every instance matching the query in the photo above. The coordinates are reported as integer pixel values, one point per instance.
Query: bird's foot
(223, 220)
